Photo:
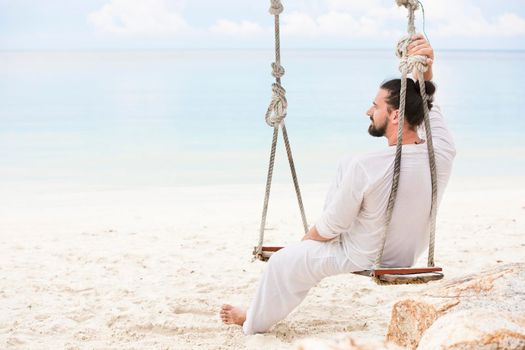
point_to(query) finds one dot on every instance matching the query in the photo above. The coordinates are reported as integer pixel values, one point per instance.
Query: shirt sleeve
(441, 135)
(340, 213)
(336, 183)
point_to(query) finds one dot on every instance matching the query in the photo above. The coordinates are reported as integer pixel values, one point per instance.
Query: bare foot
(232, 315)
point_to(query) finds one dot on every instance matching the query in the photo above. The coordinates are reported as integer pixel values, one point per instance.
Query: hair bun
(414, 108)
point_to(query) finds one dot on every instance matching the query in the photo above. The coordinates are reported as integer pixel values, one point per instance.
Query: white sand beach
(134, 143)
(148, 268)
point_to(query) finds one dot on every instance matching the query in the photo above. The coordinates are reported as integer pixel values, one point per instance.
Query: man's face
(379, 114)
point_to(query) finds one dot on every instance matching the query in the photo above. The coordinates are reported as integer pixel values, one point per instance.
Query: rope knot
(409, 63)
(277, 70)
(402, 45)
(277, 108)
(276, 7)
(411, 5)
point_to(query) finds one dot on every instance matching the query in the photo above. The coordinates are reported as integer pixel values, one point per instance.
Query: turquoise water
(178, 117)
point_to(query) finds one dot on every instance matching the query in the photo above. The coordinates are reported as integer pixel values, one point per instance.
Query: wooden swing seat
(402, 275)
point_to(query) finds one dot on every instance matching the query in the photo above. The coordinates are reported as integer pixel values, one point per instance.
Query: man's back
(356, 204)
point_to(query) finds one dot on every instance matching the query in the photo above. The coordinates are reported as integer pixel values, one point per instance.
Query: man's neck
(409, 138)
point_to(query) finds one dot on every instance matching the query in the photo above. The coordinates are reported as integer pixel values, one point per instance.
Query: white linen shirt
(355, 206)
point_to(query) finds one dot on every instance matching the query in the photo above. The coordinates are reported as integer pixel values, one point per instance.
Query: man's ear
(394, 116)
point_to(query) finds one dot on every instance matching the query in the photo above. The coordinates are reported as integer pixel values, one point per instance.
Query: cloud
(326, 18)
(139, 18)
(385, 20)
(462, 18)
(357, 7)
(345, 19)
(510, 24)
(240, 29)
(379, 20)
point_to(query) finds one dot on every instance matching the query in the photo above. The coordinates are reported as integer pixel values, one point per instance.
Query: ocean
(176, 118)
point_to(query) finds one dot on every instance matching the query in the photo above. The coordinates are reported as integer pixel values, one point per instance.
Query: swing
(275, 118)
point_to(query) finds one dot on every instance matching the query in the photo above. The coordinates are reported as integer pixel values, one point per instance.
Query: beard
(377, 130)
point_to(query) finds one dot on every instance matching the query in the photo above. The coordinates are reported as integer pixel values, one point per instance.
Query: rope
(276, 7)
(294, 177)
(408, 64)
(275, 118)
(277, 109)
(258, 250)
(412, 6)
(433, 172)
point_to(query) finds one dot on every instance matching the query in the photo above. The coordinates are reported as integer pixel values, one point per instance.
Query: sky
(215, 24)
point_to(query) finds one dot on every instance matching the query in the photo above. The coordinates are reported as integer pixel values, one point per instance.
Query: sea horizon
(186, 117)
(200, 49)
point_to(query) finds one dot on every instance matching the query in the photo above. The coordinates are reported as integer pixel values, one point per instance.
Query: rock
(501, 289)
(346, 343)
(475, 329)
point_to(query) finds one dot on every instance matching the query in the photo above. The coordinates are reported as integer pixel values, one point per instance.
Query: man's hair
(414, 113)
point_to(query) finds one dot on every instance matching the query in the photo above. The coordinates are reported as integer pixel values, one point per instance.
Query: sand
(148, 268)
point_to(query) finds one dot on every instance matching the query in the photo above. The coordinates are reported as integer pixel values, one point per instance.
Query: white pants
(290, 274)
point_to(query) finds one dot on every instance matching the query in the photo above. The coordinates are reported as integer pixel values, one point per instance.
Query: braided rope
(433, 172)
(277, 109)
(294, 177)
(412, 6)
(276, 8)
(408, 64)
(275, 118)
(258, 250)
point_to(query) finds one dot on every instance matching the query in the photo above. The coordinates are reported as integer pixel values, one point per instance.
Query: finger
(417, 36)
(423, 52)
(417, 42)
(419, 46)
(426, 51)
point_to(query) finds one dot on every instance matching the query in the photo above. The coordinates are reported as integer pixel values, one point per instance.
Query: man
(348, 234)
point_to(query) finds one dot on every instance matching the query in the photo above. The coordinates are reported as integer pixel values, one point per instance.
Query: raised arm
(440, 133)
